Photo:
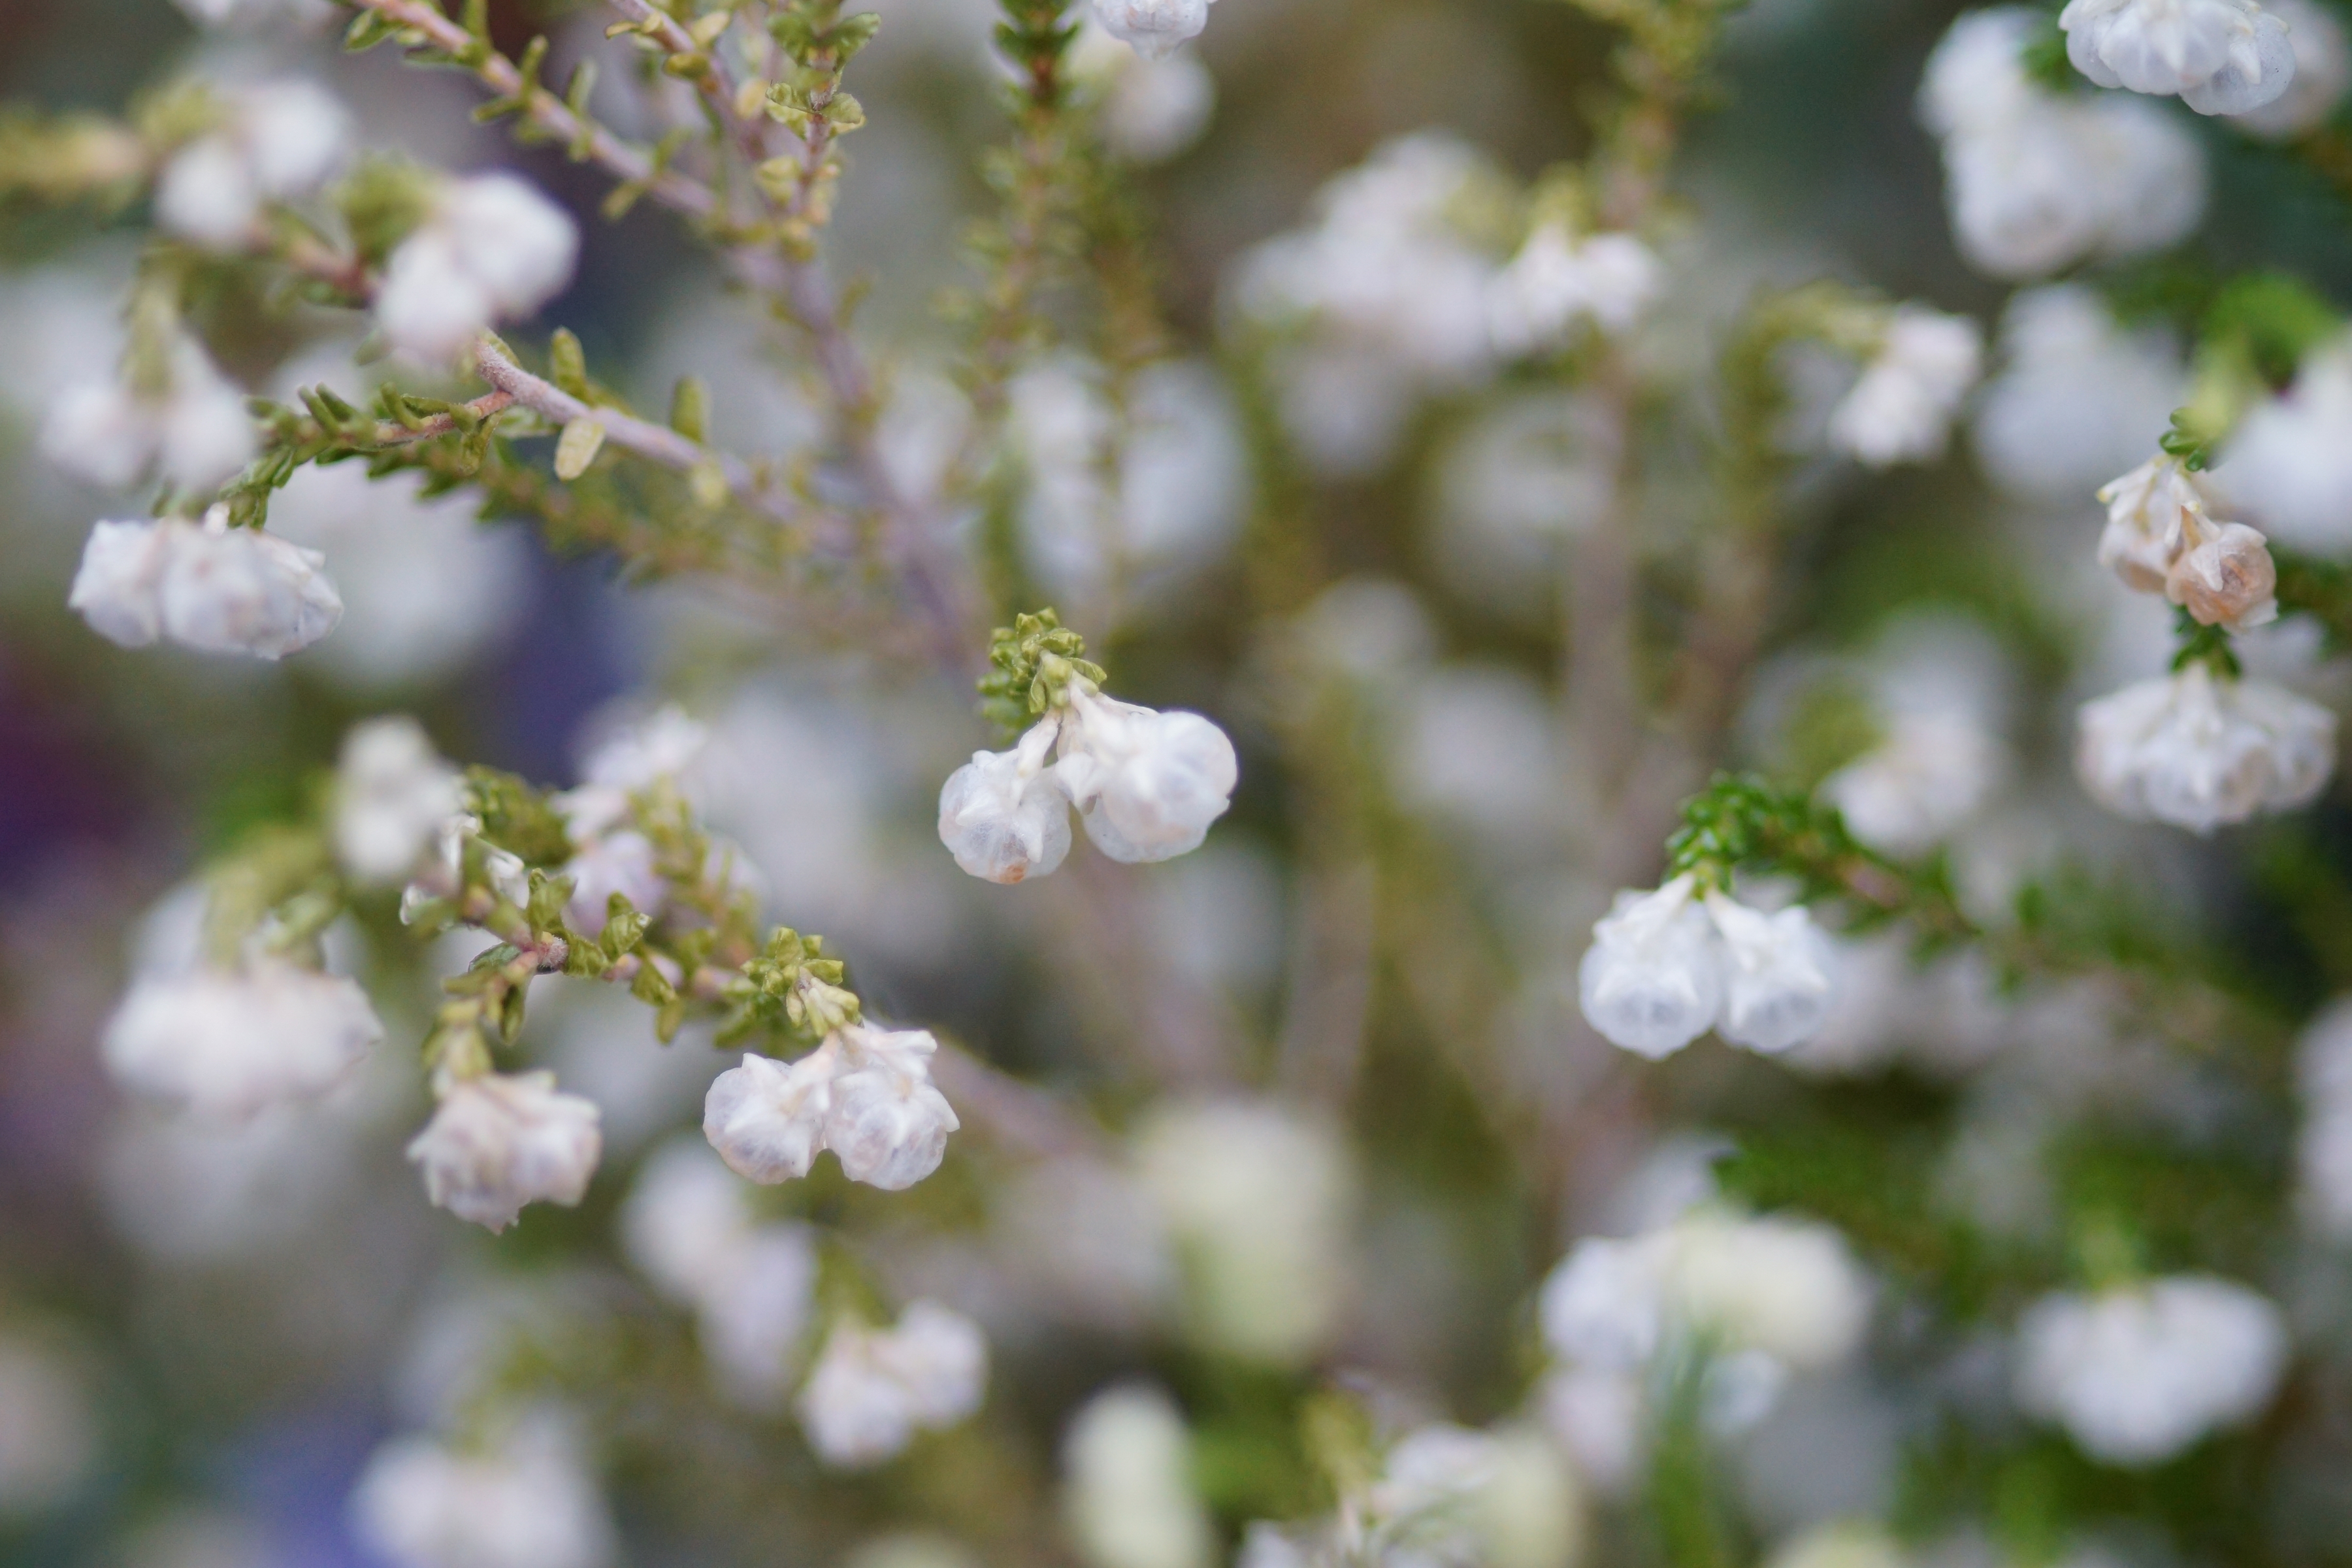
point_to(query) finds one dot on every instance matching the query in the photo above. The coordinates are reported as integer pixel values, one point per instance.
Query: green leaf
(581, 441)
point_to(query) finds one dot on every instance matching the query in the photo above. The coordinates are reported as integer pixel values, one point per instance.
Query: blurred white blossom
(2289, 462)
(228, 1043)
(1128, 1491)
(528, 1502)
(278, 141)
(205, 585)
(2202, 751)
(1156, 27)
(173, 415)
(2081, 396)
(499, 1142)
(1560, 281)
(1153, 108)
(2323, 71)
(2221, 56)
(873, 1389)
(1901, 409)
(393, 793)
(492, 248)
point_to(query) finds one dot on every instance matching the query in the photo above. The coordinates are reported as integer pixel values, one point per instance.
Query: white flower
(2289, 464)
(2225, 577)
(866, 1094)
(1128, 1491)
(1604, 1306)
(1600, 1417)
(1653, 981)
(257, 14)
(501, 1140)
(392, 795)
(632, 758)
(1778, 981)
(2138, 1374)
(2150, 511)
(2323, 69)
(2079, 397)
(229, 1043)
(191, 429)
(872, 1389)
(1152, 109)
(1257, 1203)
(2223, 57)
(492, 248)
(1558, 281)
(1148, 784)
(2200, 752)
(281, 141)
(529, 1504)
(1927, 778)
(1902, 409)
(1789, 1289)
(205, 585)
(1003, 814)
(1156, 27)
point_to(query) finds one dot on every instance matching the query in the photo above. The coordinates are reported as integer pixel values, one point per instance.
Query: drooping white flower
(189, 428)
(866, 1094)
(2200, 752)
(2138, 1375)
(2221, 56)
(205, 585)
(392, 795)
(872, 1389)
(1156, 27)
(492, 248)
(280, 141)
(2079, 395)
(1257, 1203)
(2035, 182)
(1653, 981)
(2225, 577)
(1557, 282)
(1902, 409)
(1778, 974)
(228, 1043)
(528, 1503)
(1148, 784)
(1003, 814)
(1128, 1490)
(2323, 71)
(2149, 513)
(2289, 463)
(501, 1140)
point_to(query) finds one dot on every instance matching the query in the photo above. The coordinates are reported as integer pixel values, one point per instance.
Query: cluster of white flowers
(2201, 751)
(750, 1285)
(1766, 1296)
(230, 1042)
(2139, 1373)
(1666, 966)
(1901, 410)
(866, 1094)
(2035, 181)
(1146, 783)
(2162, 538)
(499, 1140)
(1157, 28)
(204, 585)
(277, 142)
(873, 1389)
(174, 417)
(2221, 57)
(2324, 1144)
(1257, 1203)
(393, 798)
(2289, 462)
(1561, 281)
(491, 249)
(2078, 394)
(1128, 1490)
(528, 1502)
(1445, 1497)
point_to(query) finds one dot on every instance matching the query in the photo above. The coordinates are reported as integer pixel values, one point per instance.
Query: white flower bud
(1149, 784)
(871, 1389)
(2221, 56)
(1653, 980)
(2226, 578)
(1778, 977)
(227, 1044)
(530, 1503)
(887, 1124)
(766, 1118)
(2199, 752)
(1156, 27)
(2151, 513)
(1003, 814)
(1128, 1494)
(392, 795)
(492, 248)
(2136, 1375)
(1602, 1306)
(501, 1141)
(1902, 409)
(211, 587)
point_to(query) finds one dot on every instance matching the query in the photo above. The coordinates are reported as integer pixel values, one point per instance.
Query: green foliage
(790, 987)
(1032, 665)
(518, 818)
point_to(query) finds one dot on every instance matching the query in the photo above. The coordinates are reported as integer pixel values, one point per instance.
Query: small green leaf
(581, 440)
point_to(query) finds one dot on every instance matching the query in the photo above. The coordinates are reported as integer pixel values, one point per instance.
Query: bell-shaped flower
(1004, 814)
(492, 248)
(499, 1142)
(1653, 981)
(2199, 751)
(2150, 514)
(887, 1122)
(1902, 409)
(767, 1118)
(1149, 783)
(2225, 578)
(229, 1043)
(392, 795)
(872, 1389)
(204, 585)
(2221, 56)
(1156, 27)
(2323, 71)
(1780, 977)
